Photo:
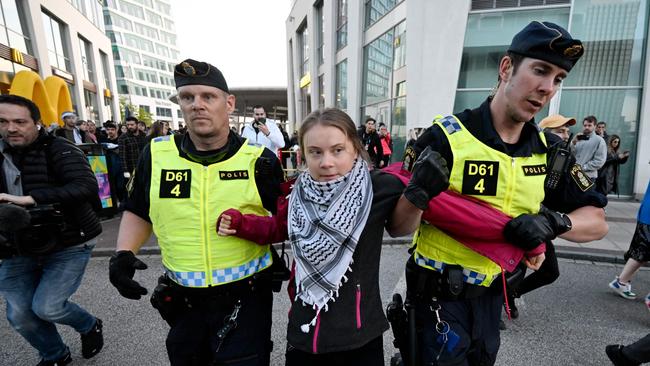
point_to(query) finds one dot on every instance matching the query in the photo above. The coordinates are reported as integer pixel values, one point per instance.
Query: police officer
(216, 292)
(498, 155)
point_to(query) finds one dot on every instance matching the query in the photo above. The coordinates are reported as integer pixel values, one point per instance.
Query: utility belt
(170, 298)
(448, 285)
(42, 236)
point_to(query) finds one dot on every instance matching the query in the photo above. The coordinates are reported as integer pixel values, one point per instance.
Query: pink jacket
(472, 222)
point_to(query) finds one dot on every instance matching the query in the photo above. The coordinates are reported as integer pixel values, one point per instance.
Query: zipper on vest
(205, 225)
(507, 206)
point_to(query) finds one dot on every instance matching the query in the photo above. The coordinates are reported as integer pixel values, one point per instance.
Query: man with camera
(590, 149)
(263, 132)
(43, 263)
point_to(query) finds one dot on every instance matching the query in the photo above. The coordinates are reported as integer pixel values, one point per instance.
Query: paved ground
(568, 323)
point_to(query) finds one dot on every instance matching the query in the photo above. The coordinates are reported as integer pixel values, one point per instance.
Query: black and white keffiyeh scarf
(325, 222)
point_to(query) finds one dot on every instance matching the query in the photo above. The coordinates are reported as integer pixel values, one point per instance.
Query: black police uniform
(568, 196)
(225, 324)
(200, 316)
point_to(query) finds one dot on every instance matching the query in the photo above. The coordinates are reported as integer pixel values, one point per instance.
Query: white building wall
(435, 33)
(76, 24)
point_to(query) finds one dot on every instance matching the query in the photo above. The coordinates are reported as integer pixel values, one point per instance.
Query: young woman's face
(329, 153)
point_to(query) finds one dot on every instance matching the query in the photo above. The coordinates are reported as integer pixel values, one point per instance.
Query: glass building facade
(449, 71)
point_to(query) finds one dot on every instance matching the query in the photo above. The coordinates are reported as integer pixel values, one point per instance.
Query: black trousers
(192, 339)
(547, 273)
(476, 321)
(370, 354)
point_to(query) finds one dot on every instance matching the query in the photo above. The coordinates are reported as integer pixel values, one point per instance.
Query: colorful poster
(99, 167)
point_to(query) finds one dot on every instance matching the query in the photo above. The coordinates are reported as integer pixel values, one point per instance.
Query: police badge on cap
(192, 72)
(549, 42)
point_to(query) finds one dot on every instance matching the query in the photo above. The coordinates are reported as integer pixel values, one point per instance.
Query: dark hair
(110, 124)
(142, 123)
(591, 119)
(131, 118)
(371, 119)
(611, 148)
(516, 60)
(34, 112)
(258, 106)
(332, 117)
(601, 123)
(156, 129)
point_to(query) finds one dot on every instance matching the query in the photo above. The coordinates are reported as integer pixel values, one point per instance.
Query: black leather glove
(121, 269)
(527, 231)
(430, 177)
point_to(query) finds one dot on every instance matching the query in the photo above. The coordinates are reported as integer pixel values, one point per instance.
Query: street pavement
(567, 323)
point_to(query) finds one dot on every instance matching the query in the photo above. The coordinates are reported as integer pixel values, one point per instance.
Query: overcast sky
(245, 39)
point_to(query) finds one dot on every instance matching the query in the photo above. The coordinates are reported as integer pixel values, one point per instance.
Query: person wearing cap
(558, 125)
(496, 154)
(216, 291)
(71, 130)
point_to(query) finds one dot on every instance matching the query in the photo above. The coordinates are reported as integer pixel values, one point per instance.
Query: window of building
(57, 49)
(163, 112)
(400, 46)
(321, 91)
(13, 29)
(119, 21)
(496, 4)
(378, 69)
(132, 9)
(320, 32)
(375, 9)
(147, 31)
(145, 108)
(127, 55)
(169, 25)
(342, 85)
(162, 50)
(154, 18)
(90, 102)
(168, 37)
(303, 36)
(86, 51)
(163, 8)
(105, 70)
(179, 113)
(138, 43)
(341, 24)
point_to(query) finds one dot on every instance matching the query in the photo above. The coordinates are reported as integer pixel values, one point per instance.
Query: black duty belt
(447, 285)
(225, 293)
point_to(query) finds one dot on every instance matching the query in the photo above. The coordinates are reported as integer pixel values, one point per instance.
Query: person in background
(157, 129)
(122, 129)
(130, 146)
(370, 141)
(601, 130)
(637, 255)
(386, 145)
(142, 128)
(263, 131)
(631, 355)
(72, 129)
(590, 149)
(608, 175)
(91, 130)
(558, 125)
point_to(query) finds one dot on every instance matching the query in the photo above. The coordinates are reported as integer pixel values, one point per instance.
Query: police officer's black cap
(192, 72)
(549, 42)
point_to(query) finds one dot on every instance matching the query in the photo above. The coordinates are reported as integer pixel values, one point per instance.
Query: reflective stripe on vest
(511, 185)
(186, 198)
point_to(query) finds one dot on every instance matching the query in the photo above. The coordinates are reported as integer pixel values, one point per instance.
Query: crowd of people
(216, 200)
